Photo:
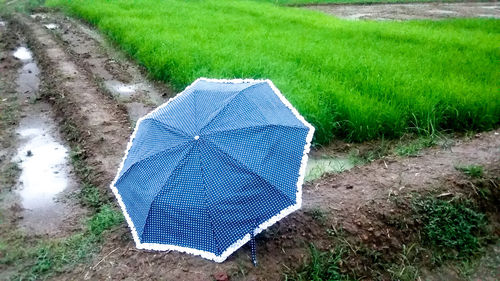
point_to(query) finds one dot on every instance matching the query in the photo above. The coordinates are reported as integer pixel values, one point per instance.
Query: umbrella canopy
(217, 164)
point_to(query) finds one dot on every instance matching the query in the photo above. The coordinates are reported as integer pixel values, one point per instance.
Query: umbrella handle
(253, 249)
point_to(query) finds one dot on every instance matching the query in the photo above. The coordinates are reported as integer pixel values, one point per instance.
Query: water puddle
(357, 16)
(23, 54)
(442, 12)
(317, 167)
(43, 161)
(38, 16)
(120, 89)
(51, 26)
(27, 81)
(41, 156)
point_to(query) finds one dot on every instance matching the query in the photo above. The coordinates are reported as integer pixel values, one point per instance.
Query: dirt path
(98, 121)
(412, 11)
(41, 202)
(75, 72)
(113, 73)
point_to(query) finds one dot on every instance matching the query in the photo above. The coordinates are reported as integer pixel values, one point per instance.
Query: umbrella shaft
(253, 249)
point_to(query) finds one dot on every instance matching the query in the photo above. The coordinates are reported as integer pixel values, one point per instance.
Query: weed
(473, 171)
(405, 267)
(322, 266)
(452, 229)
(318, 215)
(106, 218)
(77, 156)
(413, 148)
(319, 167)
(90, 196)
(71, 132)
(9, 174)
(357, 80)
(52, 256)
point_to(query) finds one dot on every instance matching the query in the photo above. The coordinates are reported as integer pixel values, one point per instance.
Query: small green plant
(473, 171)
(404, 267)
(318, 215)
(77, 156)
(105, 219)
(413, 148)
(321, 266)
(453, 229)
(9, 174)
(90, 196)
(51, 256)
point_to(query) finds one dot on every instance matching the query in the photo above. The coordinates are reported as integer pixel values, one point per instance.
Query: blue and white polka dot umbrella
(212, 167)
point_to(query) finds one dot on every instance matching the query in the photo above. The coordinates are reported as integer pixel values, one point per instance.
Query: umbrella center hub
(196, 137)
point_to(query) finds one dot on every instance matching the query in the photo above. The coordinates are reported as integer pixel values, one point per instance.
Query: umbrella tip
(196, 137)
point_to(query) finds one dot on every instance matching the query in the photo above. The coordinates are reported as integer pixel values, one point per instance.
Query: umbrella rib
(150, 156)
(215, 146)
(168, 127)
(227, 104)
(256, 126)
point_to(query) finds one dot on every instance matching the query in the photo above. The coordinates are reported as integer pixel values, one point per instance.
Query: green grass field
(357, 80)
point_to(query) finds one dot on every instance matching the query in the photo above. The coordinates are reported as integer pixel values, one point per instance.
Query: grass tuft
(453, 229)
(473, 171)
(105, 219)
(322, 266)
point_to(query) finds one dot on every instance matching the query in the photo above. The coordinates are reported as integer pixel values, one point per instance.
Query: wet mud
(411, 11)
(45, 180)
(113, 71)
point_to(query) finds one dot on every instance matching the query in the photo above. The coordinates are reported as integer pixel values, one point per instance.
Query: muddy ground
(95, 94)
(412, 11)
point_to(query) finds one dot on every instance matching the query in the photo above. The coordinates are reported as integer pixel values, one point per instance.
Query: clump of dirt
(412, 11)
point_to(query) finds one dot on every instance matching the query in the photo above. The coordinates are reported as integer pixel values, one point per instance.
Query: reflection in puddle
(43, 163)
(23, 54)
(442, 12)
(38, 16)
(356, 16)
(120, 89)
(316, 167)
(51, 26)
(28, 81)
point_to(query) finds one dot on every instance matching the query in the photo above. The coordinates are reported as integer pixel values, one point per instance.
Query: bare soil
(362, 201)
(411, 11)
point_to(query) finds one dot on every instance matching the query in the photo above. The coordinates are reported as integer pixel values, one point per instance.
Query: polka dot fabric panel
(140, 184)
(237, 208)
(153, 137)
(268, 151)
(179, 214)
(223, 159)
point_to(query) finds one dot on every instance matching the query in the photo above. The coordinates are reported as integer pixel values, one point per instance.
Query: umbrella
(212, 167)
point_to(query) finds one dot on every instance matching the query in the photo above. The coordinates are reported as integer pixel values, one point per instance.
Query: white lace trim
(235, 246)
